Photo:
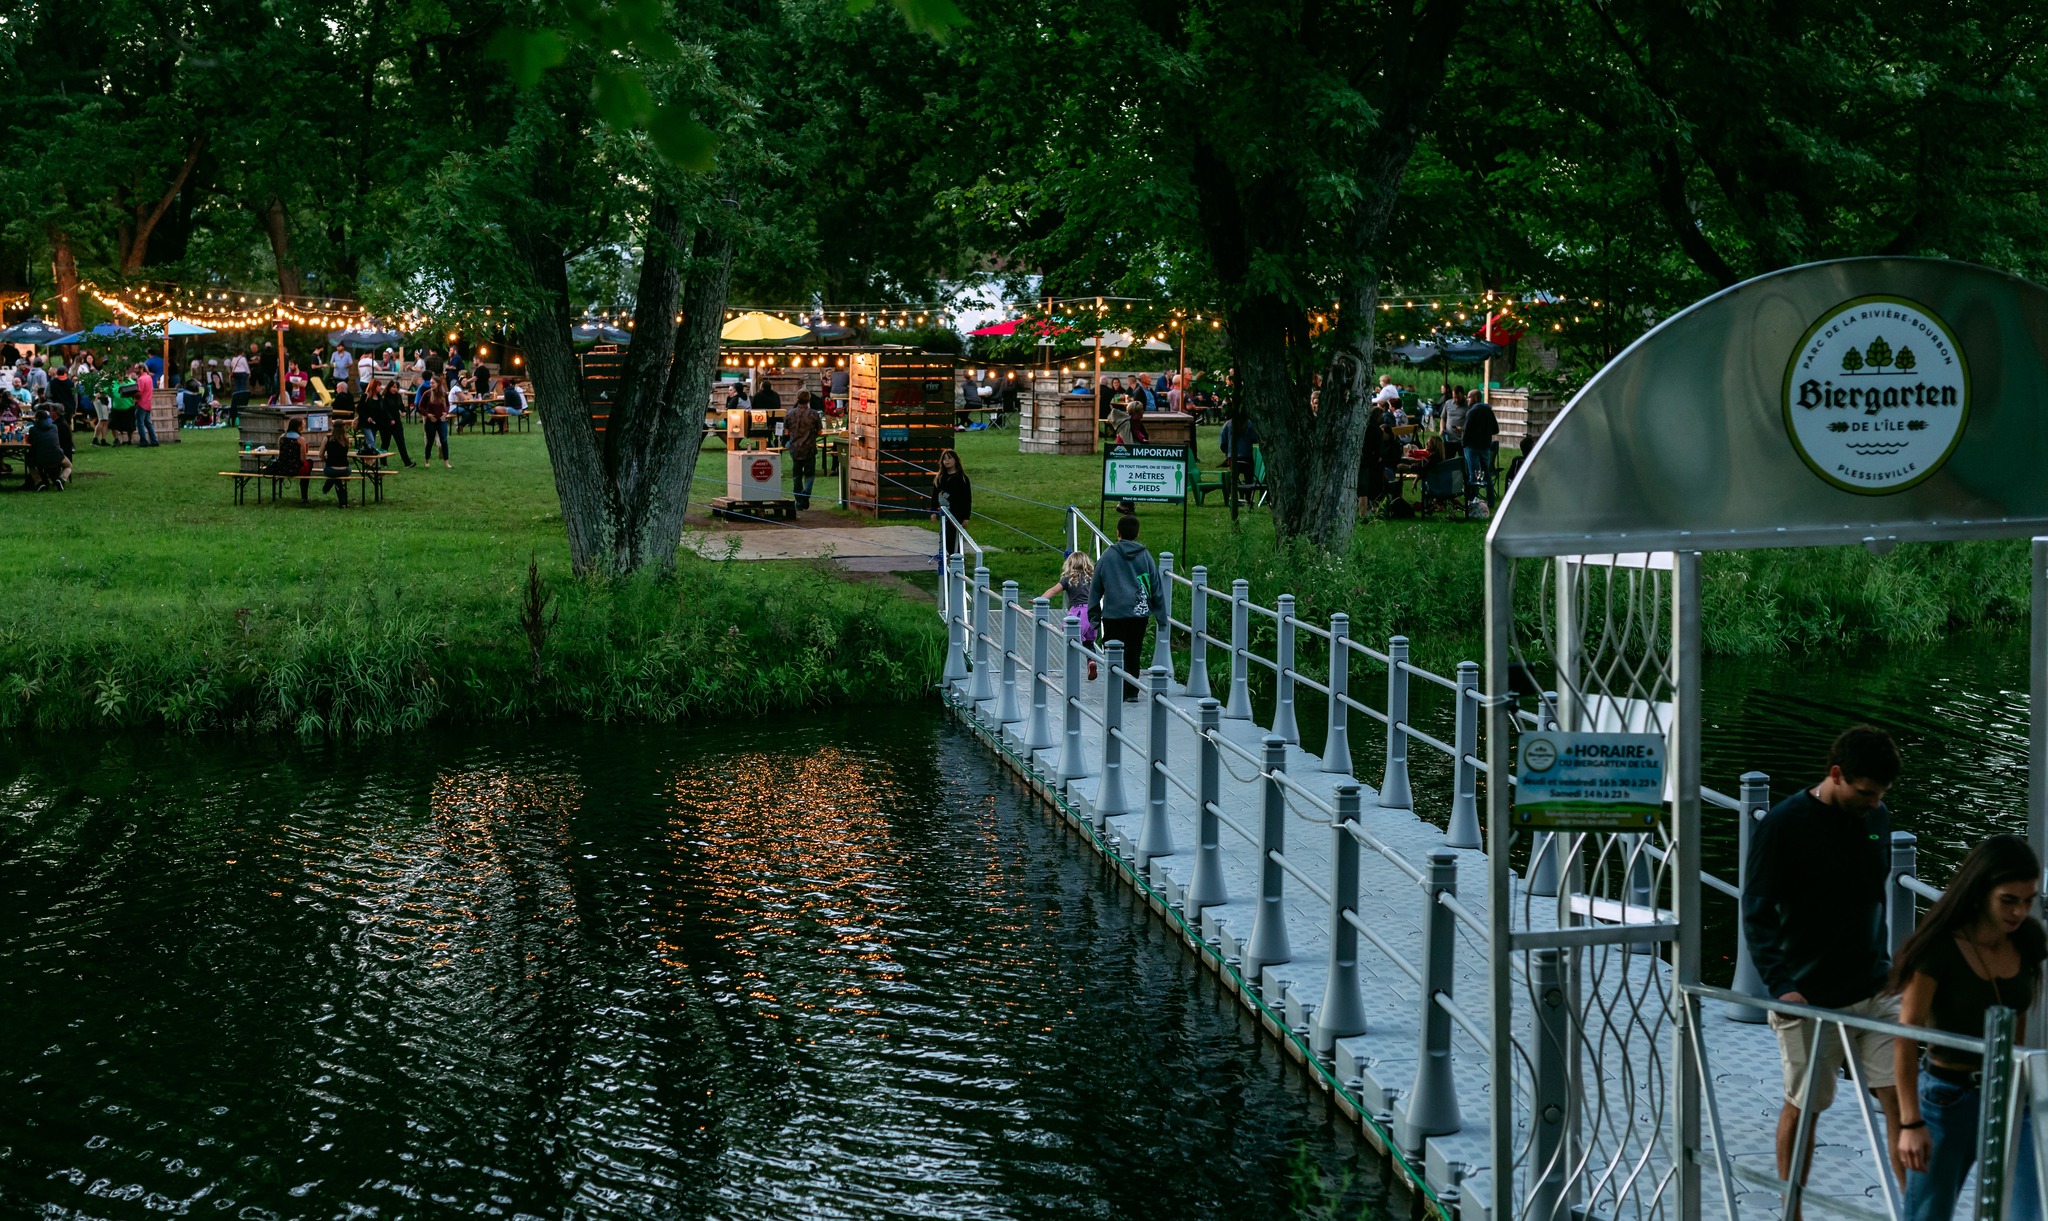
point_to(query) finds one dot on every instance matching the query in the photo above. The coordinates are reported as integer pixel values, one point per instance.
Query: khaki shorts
(1873, 1051)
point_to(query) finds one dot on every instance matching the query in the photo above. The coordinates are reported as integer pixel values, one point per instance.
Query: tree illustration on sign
(1905, 361)
(1878, 354)
(1852, 360)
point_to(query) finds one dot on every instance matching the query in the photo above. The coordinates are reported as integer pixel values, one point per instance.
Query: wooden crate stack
(899, 422)
(1055, 421)
(1523, 416)
(604, 368)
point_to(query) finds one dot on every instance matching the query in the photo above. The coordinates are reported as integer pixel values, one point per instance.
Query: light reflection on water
(838, 969)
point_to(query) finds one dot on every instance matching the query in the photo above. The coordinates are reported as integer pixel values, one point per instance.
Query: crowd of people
(43, 401)
(1814, 912)
(1455, 432)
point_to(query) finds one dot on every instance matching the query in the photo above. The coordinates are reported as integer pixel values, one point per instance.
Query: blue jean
(1951, 1114)
(437, 430)
(145, 428)
(1479, 469)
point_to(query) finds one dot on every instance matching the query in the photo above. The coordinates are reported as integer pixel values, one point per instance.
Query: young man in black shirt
(1814, 909)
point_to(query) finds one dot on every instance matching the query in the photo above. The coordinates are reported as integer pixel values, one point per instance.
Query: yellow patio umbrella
(755, 327)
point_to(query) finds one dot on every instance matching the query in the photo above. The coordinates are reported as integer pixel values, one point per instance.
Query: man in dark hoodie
(1127, 595)
(47, 466)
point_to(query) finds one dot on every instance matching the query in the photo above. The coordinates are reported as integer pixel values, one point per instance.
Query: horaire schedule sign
(1152, 473)
(1589, 781)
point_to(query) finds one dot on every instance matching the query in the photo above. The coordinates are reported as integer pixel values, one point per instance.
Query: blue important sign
(1589, 781)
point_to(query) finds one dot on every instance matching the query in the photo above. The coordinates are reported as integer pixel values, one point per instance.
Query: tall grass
(720, 638)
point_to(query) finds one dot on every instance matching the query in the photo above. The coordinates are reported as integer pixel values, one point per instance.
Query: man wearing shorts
(1814, 911)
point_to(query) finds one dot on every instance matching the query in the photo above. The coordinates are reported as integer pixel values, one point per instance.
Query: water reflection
(842, 969)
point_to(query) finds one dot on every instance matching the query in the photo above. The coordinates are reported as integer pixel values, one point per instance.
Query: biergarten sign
(1876, 395)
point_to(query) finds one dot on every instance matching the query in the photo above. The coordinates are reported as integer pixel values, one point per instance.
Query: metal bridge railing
(1018, 644)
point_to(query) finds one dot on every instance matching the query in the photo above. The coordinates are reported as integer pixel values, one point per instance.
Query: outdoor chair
(1443, 486)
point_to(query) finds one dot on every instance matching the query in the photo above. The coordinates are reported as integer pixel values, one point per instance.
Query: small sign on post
(1589, 781)
(1155, 474)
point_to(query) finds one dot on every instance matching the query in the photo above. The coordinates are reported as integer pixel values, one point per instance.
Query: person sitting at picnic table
(47, 466)
(460, 405)
(291, 452)
(513, 398)
(334, 464)
(1421, 457)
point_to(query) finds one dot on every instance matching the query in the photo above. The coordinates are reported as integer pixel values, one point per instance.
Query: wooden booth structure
(1054, 420)
(899, 420)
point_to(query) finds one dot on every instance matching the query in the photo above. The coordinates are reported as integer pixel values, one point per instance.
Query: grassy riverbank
(142, 597)
(1425, 579)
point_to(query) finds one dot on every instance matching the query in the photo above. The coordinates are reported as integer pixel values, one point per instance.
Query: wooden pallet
(752, 510)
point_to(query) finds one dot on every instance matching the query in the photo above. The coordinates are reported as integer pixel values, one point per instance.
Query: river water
(837, 968)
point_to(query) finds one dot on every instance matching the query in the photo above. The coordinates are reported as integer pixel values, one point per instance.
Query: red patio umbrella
(997, 328)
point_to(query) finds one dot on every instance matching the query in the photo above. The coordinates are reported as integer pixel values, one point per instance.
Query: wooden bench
(244, 478)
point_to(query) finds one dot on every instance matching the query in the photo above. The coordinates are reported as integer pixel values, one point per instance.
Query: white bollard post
(1239, 706)
(1207, 889)
(1155, 838)
(1464, 828)
(1198, 632)
(955, 578)
(1162, 640)
(1337, 751)
(1343, 1010)
(1038, 732)
(1072, 765)
(1284, 727)
(1269, 945)
(1109, 793)
(1006, 708)
(1394, 791)
(984, 679)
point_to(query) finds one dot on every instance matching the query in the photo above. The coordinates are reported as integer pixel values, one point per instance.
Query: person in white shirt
(366, 365)
(238, 368)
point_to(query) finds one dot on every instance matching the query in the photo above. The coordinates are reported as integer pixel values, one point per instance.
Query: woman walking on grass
(1978, 946)
(434, 410)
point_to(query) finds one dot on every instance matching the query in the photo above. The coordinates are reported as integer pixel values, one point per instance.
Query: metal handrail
(1908, 882)
(1308, 884)
(1379, 943)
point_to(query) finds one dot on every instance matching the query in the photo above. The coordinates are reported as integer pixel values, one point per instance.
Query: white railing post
(1394, 791)
(1073, 530)
(1337, 746)
(1432, 1104)
(984, 679)
(1072, 765)
(956, 618)
(1755, 801)
(1239, 706)
(1901, 906)
(1006, 708)
(1207, 889)
(1284, 727)
(1038, 732)
(1198, 631)
(1155, 837)
(1269, 920)
(1464, 828)
(1162, 640)
(1109, 790)
(1343, 1010)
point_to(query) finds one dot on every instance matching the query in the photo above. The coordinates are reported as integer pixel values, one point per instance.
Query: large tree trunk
(135, 242)
(590, 508)
(654, 521)
(277, 225)
(64, 270)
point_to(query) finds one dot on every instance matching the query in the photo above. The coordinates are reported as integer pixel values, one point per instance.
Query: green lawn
(142, 595)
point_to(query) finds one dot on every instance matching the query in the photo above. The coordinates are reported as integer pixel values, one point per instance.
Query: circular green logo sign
(1877, 395)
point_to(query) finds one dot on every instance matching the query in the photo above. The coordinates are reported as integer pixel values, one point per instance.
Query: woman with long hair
(1979, 945)
(952, 492)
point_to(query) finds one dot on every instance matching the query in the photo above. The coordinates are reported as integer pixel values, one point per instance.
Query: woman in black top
(954, 493)
(334, 463)
(1978, 946)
